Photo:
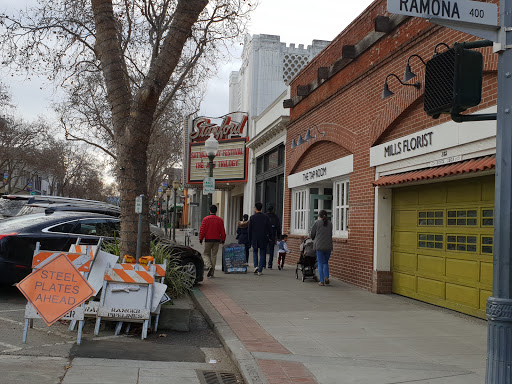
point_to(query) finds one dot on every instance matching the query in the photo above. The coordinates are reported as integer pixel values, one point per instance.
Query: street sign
(194, 204)
(138, 204)
(208, 186)
(456, 10)
(55, 289)
(33, 193)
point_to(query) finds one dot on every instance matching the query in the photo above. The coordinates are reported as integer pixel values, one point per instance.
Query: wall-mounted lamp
(307, 137)
(387, 92)
(409, 74)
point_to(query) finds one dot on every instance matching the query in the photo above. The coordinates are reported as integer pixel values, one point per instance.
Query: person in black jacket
(242, 234)
(275, 236)
(259, 232)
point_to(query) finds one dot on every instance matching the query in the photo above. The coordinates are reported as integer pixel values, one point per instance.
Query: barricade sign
(55, 289)
(126, 296)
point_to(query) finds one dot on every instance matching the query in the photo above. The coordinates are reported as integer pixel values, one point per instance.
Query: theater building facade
(411, 197)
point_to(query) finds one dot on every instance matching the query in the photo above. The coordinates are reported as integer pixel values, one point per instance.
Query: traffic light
(453, 81)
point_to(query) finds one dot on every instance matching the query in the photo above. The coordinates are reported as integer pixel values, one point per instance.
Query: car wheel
(190, 271)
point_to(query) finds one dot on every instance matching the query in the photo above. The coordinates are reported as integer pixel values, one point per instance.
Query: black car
(58, 230)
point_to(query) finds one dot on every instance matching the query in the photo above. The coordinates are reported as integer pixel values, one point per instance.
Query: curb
(243, 359)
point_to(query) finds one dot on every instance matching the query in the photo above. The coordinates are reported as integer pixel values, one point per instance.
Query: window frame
(302, 213)
(341, 209)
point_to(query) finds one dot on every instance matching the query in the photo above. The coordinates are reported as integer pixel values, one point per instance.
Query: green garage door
(442, 243)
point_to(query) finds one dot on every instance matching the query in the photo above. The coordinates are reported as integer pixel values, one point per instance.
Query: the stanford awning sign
(227, 129)
(231, 158)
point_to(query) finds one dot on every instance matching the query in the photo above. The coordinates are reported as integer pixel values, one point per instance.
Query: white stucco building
(259, 88)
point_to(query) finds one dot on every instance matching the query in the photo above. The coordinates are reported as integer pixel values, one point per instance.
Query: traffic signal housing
(453, 81)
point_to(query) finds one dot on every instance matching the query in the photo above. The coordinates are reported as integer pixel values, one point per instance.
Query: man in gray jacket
(321, 234)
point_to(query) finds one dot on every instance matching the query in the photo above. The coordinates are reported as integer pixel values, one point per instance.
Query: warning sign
(55, 289)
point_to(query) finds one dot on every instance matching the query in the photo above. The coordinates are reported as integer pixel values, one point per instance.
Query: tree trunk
(132, 116)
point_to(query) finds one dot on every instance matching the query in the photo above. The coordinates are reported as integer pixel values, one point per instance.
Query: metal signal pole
(499, 306)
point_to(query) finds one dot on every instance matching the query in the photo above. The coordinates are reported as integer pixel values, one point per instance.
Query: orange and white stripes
(126, 273)
(159, 268)
(81, 261)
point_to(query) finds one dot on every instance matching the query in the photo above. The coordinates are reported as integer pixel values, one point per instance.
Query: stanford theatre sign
(231, 158)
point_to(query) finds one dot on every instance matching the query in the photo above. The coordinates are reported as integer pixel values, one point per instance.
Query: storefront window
(340, 200)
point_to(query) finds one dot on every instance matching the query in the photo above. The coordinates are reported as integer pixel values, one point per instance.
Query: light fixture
(308, 135)
(294, 144)
(386, 92)
(300, 140)
(211, 145)
(175, 184)
(409, 74)
(168, 192)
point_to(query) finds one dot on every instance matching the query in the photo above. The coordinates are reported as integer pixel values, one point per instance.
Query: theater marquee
(231, 158)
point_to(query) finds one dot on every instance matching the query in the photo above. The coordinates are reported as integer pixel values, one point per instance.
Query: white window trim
(305, 209)
(343, 233)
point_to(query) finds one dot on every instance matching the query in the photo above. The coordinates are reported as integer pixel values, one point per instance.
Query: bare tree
(146, 52)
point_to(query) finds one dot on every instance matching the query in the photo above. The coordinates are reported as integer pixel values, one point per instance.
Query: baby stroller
(307, 261)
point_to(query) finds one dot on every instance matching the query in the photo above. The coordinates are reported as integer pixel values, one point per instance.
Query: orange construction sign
(55, 289)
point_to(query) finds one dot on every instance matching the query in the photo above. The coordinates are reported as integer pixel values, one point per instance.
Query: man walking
(275, 224)
(213, 233)
(259, 232)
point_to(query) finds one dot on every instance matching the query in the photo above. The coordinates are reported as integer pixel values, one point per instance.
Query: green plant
(112, 247)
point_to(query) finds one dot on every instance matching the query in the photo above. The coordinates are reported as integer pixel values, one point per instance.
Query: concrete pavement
(339, 334)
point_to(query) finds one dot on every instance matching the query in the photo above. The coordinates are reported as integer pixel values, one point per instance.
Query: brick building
(411, 197)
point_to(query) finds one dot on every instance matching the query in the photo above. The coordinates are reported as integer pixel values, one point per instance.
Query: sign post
(138, 209)
(480, 19)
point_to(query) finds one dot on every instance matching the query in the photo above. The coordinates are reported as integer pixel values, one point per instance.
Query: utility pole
(499, 306)
(210, 173)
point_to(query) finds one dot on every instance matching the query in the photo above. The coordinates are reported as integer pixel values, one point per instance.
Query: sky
(296, 21)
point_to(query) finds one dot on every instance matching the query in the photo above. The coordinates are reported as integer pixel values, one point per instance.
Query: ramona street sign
(455, 10)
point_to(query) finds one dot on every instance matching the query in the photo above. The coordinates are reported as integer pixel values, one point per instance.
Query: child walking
(283, 250)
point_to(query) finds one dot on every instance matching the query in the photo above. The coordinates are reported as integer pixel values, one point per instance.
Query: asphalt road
(49, 351)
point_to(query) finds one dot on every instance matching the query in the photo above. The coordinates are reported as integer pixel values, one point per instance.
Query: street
(51, 355)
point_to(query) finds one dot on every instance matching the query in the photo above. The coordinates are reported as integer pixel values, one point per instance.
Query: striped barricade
(126, 296)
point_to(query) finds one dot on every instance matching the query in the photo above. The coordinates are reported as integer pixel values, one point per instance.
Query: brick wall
(349, 108)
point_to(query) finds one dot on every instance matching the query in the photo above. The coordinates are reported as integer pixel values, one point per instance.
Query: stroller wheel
(303, 277)
(297, 273)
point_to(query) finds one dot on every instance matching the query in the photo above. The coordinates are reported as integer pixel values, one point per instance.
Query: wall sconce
(387, 92)
(309, 136)
(306, 138)
(409, 74)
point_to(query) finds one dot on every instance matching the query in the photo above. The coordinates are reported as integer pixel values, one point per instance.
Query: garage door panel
(463, 295)
(432, 196)
(405, 197)
(488, 189)
(462, 270)
(431, 265)
(405, 218)
(461, 192)
(429, 287)
(486, 273)
(404, 284)
(405, 261)
(404, 240)
(484, 295)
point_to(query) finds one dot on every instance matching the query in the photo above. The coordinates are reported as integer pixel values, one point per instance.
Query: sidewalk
(298, 332)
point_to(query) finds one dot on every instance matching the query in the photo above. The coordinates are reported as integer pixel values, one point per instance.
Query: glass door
(318, 202)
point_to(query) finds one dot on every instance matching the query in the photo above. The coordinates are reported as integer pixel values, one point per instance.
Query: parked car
(58, 230)
(18, 205)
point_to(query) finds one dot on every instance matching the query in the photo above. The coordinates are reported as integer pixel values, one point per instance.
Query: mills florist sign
(231, 157)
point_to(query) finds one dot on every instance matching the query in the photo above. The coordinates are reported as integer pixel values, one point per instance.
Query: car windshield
(9, 208)
(17, 224)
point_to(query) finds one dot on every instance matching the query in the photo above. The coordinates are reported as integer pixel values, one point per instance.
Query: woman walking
(242, 235)
(321, 234)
